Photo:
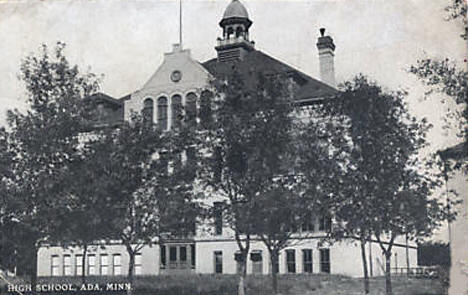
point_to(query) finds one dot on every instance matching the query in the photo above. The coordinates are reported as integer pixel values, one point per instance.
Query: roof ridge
(106, 97)
(259, 61)
(295, 70)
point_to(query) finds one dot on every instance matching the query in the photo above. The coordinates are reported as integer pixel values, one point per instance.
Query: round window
(176, 76)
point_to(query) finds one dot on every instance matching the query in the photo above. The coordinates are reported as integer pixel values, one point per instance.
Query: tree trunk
(34, 271)
(242, 275)
(244, 252)
(388, 278)
(364, 265)
(131, 264)
(274, 270)
(83, 264)
(241, 287)
(131, 267)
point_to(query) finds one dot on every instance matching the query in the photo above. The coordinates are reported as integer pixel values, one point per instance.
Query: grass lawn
(260, 285)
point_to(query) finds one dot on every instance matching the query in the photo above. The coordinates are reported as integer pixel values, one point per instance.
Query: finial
(322, 31)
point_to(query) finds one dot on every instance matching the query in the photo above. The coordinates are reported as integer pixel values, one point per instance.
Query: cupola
(235, 9)
(235, 42)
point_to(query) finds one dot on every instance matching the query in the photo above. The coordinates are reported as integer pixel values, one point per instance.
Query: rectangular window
(325, 260)
(291, 260)
(172, 254)
(91, 264)
(294, 225)
(192, 227)
(191, 161)
(307, 260)
(78, 265)
(176, 163)
(218, 261)
(325, 223)
(67, 265)
(218, 169)
(104, 265)
(163, 163)
(163, 256)
(55, 265)
(138, 264)
(206, 115)
(308, 223)
(193, 255)
(117, 264)
(183, 254)
(257, 262)
(218, 218)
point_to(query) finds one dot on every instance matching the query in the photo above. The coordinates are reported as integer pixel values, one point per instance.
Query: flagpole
(180, 23)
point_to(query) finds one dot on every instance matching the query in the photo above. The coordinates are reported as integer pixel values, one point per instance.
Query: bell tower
(235, 42)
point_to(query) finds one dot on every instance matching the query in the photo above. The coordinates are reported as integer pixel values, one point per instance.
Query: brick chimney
(326, 50)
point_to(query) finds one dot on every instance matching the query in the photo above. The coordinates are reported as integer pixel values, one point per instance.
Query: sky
(125, 41)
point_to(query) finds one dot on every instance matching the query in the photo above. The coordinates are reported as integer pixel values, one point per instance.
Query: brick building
(178, 81)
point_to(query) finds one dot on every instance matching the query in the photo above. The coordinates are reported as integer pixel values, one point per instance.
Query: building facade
(179, 81)
(458, 229)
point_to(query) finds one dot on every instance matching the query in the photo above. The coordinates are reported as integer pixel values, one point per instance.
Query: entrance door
(177, 257)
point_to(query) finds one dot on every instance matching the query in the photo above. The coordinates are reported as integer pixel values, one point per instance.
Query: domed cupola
(235, 42)
(235, 10)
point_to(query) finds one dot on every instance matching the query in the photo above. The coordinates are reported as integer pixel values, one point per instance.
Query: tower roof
(235, 9)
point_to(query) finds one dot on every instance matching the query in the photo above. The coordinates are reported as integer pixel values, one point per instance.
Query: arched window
(176, 104)
(230, 31)
(162, 113)
(239, 32)
(206, 115)
(191, 108)
(148, 111)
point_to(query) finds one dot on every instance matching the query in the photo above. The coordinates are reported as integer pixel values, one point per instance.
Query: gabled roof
(255, 62)
(97, 97)
(125, 97)
(111, 115)
(456, 152)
